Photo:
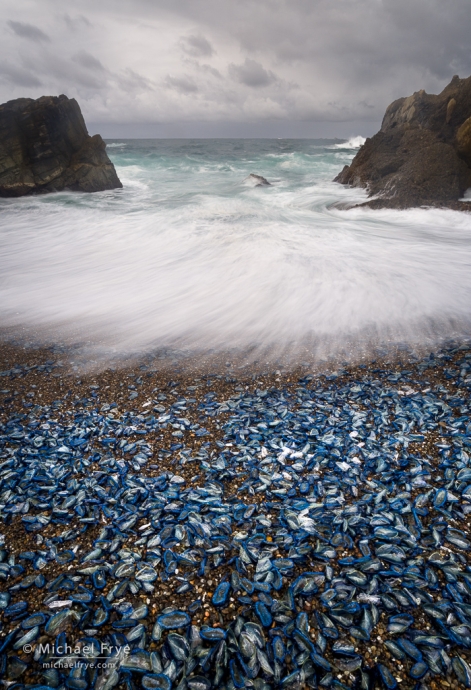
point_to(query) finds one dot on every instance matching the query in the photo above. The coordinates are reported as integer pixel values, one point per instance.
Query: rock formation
(422, 154)
(259, 180)
(45, 147)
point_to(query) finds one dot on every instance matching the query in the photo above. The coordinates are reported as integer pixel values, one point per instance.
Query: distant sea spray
(352, 143)
(188, 256)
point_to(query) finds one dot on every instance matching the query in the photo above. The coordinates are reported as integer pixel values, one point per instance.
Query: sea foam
(352, 143)
(182, 259)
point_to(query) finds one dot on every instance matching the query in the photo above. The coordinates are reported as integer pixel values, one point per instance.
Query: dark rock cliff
(45, 147)
(421, 155)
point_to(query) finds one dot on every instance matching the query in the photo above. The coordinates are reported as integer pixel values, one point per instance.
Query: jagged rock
(45, 147)
(259, 180)
(463, 140)
(449, 110)
(421, 155)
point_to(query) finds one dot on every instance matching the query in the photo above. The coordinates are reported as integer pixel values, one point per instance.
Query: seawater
(190, 255)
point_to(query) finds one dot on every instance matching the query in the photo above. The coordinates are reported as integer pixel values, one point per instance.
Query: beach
(182, 513)
(234, 429)
(235, 345)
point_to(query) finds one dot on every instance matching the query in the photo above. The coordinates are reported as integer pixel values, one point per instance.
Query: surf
(201, 262)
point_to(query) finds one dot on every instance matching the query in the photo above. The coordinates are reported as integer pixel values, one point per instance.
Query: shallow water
(189, 254)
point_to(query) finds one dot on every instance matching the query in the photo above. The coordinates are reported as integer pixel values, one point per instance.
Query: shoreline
(206, 502)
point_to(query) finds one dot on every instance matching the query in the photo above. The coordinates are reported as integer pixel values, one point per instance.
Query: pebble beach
(227, 528)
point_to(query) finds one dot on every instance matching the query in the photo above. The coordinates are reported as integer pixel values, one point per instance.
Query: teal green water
(191, 254)
(180, 171)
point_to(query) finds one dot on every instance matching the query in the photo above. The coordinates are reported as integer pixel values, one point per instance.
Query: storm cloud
(14, 75)
(251, 73)
(88, 61)
(287, 67)
(197, 46)
(28, 31)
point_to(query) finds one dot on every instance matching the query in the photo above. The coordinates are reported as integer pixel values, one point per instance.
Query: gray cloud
(286, 66)
(183, 84)
(28, 31)
(76, 23)
(132, 82)
(251, 73)
(67, 74)
(88, 61)
(209, 70)
(13, 74)
(196, 46)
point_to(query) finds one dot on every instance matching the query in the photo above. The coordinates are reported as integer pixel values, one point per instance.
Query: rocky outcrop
(421, 155)
(45, 147)
(258, 180)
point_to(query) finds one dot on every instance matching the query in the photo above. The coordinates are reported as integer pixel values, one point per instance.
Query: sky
(227, 68)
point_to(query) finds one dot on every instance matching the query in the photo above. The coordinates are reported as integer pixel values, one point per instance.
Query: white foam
(352, 143)
(230, 266)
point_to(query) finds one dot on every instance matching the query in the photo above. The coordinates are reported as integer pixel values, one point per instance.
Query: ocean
(191, 257)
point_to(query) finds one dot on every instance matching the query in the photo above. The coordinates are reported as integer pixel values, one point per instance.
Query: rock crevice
(422, 154)
(45, 147)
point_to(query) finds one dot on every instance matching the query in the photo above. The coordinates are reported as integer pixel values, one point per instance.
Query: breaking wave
(352, 143)
(181, 259)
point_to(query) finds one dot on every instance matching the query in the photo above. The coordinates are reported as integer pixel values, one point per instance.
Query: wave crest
(352, 143)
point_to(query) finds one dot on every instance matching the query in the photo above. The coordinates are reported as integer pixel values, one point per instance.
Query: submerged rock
(258, 180)
(421, 155)
(45, 147)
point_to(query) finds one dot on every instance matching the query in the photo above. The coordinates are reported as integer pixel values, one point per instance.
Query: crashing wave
(352, 143)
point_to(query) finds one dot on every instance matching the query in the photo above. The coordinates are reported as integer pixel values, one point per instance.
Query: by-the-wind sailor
(387, 677)
(138, 661)
(33, 620)
(156, 681)
(174, 620)
(400, 623)
(199, 683)
(462, 671)
(264, 614)
(221, 594)
(61, 621)
(440, 499)
(179, 647)
(305, 584)
(418, 670)
(28, 637)
(212, 634)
